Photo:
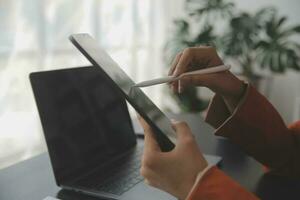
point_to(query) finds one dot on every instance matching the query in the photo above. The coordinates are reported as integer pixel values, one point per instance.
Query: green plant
(240, 40)
(275, 49)
(261, 39)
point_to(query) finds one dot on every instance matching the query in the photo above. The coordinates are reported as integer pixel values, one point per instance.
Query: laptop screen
(85, 121)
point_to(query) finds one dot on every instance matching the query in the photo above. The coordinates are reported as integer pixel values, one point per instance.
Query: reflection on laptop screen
(85, 120)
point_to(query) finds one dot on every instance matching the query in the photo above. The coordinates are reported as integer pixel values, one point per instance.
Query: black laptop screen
(85, 121)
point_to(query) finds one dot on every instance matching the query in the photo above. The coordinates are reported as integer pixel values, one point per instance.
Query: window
(34, 36)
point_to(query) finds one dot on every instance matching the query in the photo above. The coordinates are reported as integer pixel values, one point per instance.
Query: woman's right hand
(223, 83)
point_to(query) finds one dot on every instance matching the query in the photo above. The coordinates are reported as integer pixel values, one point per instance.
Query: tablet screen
(134, 95)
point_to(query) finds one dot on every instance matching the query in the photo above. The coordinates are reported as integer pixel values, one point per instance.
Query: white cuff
(198, 178)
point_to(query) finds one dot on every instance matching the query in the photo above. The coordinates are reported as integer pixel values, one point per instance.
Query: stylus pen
(169, 79)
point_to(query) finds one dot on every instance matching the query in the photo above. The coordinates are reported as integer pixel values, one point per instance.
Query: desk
(33, 179)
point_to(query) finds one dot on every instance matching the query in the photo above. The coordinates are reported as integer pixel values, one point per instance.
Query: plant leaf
(281, 21)
(296, 29)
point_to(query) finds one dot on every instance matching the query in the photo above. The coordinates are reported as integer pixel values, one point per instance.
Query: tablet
(158, 121)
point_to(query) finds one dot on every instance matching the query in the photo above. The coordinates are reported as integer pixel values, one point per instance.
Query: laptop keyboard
(125, 176)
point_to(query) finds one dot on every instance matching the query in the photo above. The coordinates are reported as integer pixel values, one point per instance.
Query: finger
(203, 56)
(174, 85)
(181, 67)
(143, 123)
(152, 177)
(151, 183)
(148, 173)
(182, 130)
(173, 121)
(203, 80)
(174, 64)
(138, 116)
(150, 142)
(180, 88)
(183, 62)
(193, 80)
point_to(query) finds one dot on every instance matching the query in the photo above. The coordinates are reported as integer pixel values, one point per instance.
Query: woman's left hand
(174, 172)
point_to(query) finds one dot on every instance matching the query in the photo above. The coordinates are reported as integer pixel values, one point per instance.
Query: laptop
(89, 134)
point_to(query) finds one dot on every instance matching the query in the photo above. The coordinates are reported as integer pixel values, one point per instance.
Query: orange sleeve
(215, 185)
(258, 129)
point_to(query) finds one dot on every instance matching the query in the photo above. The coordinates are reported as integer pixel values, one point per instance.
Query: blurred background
(259, 39)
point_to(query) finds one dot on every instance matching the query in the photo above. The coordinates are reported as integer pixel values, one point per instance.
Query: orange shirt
(257, 127)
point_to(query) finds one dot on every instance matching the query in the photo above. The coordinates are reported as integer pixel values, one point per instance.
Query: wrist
(233, 100)
(186, 190)
(199, 176)
(188, 185)
(229, 87)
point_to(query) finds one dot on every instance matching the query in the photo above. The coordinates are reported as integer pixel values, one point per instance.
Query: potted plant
(254, 41)
(261, 40)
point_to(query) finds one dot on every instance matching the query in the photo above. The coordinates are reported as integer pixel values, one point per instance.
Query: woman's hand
(222, 83)
(175, 171)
